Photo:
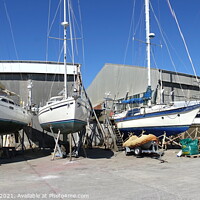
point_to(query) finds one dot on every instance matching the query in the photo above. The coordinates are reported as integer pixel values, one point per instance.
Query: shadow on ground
(98, 153)
(29, 154)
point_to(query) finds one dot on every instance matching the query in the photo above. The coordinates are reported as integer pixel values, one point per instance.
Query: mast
(148, 40)
(65, 24)
(148, 44)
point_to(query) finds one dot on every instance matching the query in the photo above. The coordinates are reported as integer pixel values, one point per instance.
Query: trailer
(150, 147)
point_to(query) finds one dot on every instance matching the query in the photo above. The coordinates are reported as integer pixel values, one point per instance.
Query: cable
(184, 42)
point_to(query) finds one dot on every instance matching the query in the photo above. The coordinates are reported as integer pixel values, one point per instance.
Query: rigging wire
(11, 30)
(151, 45)
(49, 29)
(130, 31)
(172, 47)
(81, 32)
(183, 39)
(47, 47)
(70, 30)
(13, 40)
(126, 49)
(82, 45)
(165, 42)
(74, 28)
(75, 24)
(48, 25)
(70, 10)
(54, 18)
(71, 49)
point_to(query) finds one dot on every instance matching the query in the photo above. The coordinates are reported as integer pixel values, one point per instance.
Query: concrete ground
(103, 175)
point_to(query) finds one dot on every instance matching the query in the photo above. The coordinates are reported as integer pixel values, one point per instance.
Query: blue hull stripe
(160, 113)
(12, 121)
(157, 131)
(65, 126)
(66, 121)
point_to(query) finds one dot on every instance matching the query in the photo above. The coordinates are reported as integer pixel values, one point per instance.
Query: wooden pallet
(192, 156)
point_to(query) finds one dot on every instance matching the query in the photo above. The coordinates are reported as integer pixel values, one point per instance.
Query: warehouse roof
(37, 67)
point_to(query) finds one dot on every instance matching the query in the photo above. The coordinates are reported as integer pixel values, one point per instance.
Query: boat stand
(70, 147)
(77, 145)
(7, 149)
(168, 140)
(193, 132)
(57, 149)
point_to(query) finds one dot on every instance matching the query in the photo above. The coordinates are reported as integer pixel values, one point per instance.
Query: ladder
(112, 138)
(115, 134)
(119, 138)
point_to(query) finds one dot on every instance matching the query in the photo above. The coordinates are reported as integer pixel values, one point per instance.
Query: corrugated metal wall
(118, 81)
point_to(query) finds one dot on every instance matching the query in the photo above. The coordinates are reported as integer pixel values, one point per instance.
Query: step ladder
(119, 138)
(115, 134)
(109, 135)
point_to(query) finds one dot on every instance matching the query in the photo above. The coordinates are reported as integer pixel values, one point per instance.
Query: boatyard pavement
(104, 174)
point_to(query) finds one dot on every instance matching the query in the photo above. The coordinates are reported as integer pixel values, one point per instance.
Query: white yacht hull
(171, 121)
(68, 115)
(12, 118)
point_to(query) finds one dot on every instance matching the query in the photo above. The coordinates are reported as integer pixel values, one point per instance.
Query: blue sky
(106, 31)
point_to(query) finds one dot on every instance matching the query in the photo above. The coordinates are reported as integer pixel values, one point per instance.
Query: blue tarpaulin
(133, 100)
(146, 96)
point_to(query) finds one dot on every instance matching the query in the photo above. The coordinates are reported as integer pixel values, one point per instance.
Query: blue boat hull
(157, 131)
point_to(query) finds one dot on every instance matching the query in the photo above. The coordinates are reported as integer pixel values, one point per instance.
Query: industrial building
(35, 82)
(118, 82)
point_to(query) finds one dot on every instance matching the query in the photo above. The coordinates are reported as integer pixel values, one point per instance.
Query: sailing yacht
(13, 117)
(154, 119)
(65, 114)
